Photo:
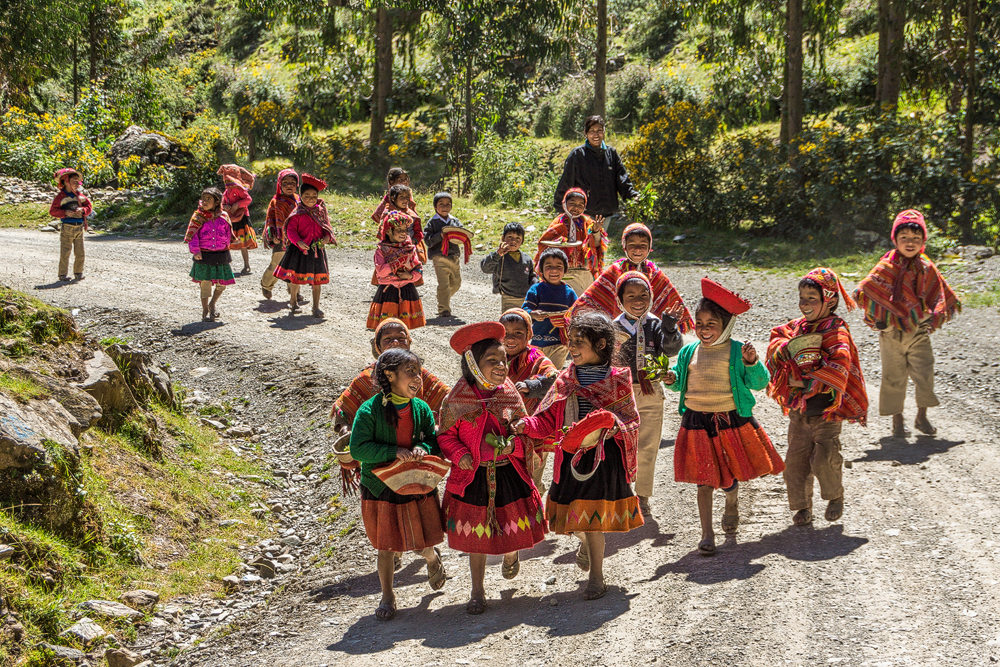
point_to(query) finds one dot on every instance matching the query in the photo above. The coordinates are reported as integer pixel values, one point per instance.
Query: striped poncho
(361, 388)
(603, 297)
(901, 293)
(839, 374)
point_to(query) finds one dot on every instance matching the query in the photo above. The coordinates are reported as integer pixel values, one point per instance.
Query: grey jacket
(509, 277)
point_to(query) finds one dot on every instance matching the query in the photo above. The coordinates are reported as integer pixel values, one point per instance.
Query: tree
(30, 50)
(891, 39)
(601, 66)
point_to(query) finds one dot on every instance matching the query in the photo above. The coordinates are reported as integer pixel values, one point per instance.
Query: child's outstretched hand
(538, 315)
(749, 353)
(465, 463)
(598, 223)
(417, 453)
(517, 427)
(403, 454)
(675, 311)
(503, 248)
(521, 387)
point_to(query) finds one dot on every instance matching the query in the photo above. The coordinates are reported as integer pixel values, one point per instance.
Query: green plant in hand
(657, 367)
(498, 443)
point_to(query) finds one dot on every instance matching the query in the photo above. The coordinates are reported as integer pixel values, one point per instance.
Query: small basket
(415, 476)
(806, 351)
(342, 450)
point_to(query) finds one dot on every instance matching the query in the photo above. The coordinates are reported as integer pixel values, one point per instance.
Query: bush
(514, 172)
(33, 147)
(626, 95)
(667, 87)
(568, 107)
(747, 89)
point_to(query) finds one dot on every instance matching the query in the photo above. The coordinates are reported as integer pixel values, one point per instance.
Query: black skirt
(214, 257)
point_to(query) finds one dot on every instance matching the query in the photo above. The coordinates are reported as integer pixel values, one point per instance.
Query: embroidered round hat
(634, 229)
(413, 476)
(64, 173)
(830, 285)
(587, 432)
(283, 174)
(318, 183)
(522, 313)
(465, 337)
(730, 301)
(910, 217)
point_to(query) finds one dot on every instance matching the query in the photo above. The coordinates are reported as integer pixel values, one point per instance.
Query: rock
(64, 652)
(107, 385)
(84, 409)
(111, 609)
(976, 252)
(285, 558)
(157, 624)
(24, 427)
(226, 523)
(6, 551)
(265, 568)
(13, 629)
(84, 631)
(239, 431)
(9, 313)
(292, 540)
(151, 148)
(218, 426)
(122, 657)
(142, 375)
(141, 599)
(147, 663)
(230, 584)
(551, 580)
(250, 579)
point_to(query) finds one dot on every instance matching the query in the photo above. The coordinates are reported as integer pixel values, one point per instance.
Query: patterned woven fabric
(361, 388)
(585, 256)
(839, 374)
(602, 295)
(906, 294)
(531, 364)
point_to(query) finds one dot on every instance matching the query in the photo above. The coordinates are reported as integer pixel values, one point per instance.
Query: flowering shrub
(33, 147)
(404, 141)
(514, 172)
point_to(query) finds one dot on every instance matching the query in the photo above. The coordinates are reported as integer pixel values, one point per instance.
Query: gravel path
(906, 577)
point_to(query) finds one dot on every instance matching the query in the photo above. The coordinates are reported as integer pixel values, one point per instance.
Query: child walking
(397, 268)
(532, 373)
(906, 299)
(72, 207)
(720, 444)
(602, 296)
(641, 336)
(307, 231)
(236, 202)
(279, 209)
(513, 271)
(396, 425)
(584, 239)
(210, 237)
(444, 253)
(396, 176)
(547, 303)
(491, 506)
(816, 378)
(603, 502)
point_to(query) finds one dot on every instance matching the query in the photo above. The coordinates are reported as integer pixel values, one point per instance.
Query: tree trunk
(382, 84)
(601, 66)
(793, 81)
(784, 101)
(470, 138)
(970, 88)
(76, 76)
(92, 23)
(891, 38)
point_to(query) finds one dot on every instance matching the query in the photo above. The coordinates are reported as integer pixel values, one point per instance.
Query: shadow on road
(445, 322)
(271, 306)
(908, 453)
(195, 328)
(298, 322)
(735, 561)
(56, 285)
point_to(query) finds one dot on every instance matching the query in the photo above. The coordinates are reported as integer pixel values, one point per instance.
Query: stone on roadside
(141, 599)
(265, 568)
(6, 551)
(218, 426)
(111, 609)
(64, 652)
(230, 584)
(84, 631)
(122, 657)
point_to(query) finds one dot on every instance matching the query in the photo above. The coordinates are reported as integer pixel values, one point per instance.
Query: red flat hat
(586, 432)
(730, 301)
(471, 334)
(318, 183)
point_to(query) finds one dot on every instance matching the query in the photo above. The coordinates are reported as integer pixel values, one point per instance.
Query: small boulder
(107, 385)
(84, 631)
(141, 599)
(64, 652)
(230, 584)
(122, 657)
(151, 148)
(111, 609)
(6, 551)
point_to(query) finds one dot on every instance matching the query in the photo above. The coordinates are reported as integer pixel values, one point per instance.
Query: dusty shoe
(301, 300)
(644, 505)
(899, 429)
(78, 276)
(317, 313)
(924, 426)
(730, 523)
(835, 509)
(266, 292)
(803, 518)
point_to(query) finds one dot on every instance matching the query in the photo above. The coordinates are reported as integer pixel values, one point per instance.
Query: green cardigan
(373, 440)
(744, 379)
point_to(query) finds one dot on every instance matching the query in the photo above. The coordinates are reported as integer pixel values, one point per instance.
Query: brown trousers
(556, 354)
(650, 431)
(269, 280)
(579, 280)
(70, 240)
(813, 453)
(508, 302)
(905, 356)
(449, 279)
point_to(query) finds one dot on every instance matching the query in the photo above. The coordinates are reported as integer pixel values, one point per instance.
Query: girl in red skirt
(491, 506)
(397, 268)
(720, 444)
(395, 425)
(307, 232)
(604, 502)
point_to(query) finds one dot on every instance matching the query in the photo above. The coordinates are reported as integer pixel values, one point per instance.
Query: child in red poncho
(72, 207)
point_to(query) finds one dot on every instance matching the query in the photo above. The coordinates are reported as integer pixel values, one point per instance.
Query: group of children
(602, 414)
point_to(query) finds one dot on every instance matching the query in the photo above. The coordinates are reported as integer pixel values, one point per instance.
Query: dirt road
(908, 577)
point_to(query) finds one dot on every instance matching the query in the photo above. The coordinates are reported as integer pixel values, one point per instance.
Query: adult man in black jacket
(597, 169)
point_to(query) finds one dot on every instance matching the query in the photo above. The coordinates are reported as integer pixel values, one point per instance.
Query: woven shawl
(361, 388)
(531, 363)
(585, 256)
(602, 296)
(924, 295)
(199, 218)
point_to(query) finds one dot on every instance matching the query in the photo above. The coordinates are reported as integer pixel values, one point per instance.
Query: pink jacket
(466, 437)
(302, 229)
(237, 196)
(387, 277)
(214, 235)
(86, 208)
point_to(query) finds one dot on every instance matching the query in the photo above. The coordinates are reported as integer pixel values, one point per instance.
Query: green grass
(988, 298)
(24, 215)
(37, 323)
(20, 388)
(115, 340)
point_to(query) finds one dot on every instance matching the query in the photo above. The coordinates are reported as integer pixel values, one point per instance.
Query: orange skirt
(246, 238)
(718, 449)
(402, 523)
(400, 302)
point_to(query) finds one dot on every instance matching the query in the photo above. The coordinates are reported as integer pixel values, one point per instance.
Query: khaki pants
(206, 289)
(269, 280)
(650, 432)
(904, 356)
(70, 240)
(536, 474)
(449, 278)
(579, 280)
(813, 452)
(556, 354)
(508, 302)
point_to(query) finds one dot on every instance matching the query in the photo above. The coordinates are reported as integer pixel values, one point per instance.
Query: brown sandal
(510, 571)
(707, 546)
(803, 518)
(730, 523)
(595, 591)
(475, 606)
(438, 576)
(835, 509)
(386, 611)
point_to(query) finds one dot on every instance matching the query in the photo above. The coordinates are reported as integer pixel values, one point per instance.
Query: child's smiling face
(289, 184)
(405, 380)
(635, 298)
(513, 241)
(582, 350)
(393, 336)
(516, 339)
(909, 242)
(443, 207)
(576, 206)
(553, 270)
(72, 182)
(811, 304)
(707, 327)
(493, 365)
(397, 234)
(637, 248)
(309, 197)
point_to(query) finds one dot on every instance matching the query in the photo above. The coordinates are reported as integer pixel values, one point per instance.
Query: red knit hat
(467, 336)
(910, 217)
(730, 301)
(318, 183)
(65, 173)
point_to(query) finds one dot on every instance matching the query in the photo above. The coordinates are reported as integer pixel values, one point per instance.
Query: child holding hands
(719, 444)
(397, 269)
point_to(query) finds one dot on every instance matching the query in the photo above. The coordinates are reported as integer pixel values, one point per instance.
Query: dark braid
(390, 360)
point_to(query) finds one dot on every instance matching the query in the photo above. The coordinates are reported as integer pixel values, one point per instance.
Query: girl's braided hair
(390, 360)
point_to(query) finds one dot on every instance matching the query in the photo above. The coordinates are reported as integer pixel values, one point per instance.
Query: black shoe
(78, 276)
(446, 313)
(64, 279)
(266, 292)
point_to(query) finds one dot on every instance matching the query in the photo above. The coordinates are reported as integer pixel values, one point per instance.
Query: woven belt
(501, 462)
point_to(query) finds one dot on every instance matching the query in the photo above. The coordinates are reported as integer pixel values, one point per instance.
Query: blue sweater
(550, 298)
